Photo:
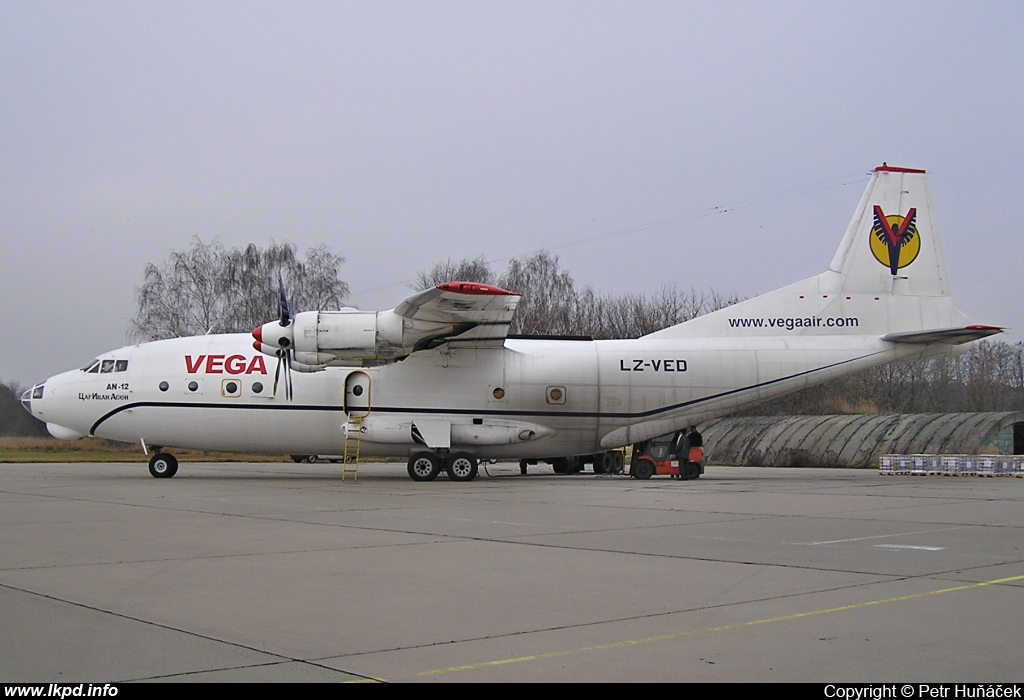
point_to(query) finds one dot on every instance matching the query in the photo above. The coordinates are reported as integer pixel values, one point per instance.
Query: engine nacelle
(424, 321)
(347, 337)
(351, 334)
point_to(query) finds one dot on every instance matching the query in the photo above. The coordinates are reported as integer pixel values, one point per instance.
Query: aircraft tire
(618, 462)
(424, 466)
(643, 469)
(603, 463)
(311, 459)
(163, 465)
(461, 466)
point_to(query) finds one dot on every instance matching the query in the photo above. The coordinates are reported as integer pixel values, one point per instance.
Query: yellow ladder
(353, 436)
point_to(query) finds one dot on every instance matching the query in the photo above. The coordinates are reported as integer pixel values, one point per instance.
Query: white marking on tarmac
(880, 537)
(910, 546)
(456, 520)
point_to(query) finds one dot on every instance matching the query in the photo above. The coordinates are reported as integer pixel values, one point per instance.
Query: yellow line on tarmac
(707, 630)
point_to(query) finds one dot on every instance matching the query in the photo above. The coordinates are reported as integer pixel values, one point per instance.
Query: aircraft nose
(28, 395)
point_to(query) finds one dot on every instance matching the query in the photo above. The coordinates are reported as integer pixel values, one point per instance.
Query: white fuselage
(528, 399)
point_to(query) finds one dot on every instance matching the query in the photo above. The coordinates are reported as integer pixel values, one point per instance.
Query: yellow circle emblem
(894, 239)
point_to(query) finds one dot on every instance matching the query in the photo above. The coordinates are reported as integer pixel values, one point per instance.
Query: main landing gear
(611, 462)
(460, 466)
(163, 465)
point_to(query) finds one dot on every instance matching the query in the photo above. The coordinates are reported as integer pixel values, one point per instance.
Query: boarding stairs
(350, 458)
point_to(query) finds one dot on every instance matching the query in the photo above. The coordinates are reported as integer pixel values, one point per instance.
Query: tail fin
(892, 243)
(888, 279)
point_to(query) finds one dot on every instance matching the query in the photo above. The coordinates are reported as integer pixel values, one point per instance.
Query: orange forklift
(680, 455)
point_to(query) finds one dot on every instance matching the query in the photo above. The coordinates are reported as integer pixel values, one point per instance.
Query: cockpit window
(37, 391)
(106, 366)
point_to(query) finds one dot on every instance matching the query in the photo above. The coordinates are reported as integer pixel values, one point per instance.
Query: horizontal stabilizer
(949, 336)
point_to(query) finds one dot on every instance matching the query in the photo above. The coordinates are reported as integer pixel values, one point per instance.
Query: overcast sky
(404, 133)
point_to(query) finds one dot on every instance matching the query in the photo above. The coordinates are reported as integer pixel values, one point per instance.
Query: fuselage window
(555, 395)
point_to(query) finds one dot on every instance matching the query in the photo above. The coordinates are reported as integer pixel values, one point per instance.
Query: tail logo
(894, 239)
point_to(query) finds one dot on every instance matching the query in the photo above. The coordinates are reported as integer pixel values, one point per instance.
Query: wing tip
(475, 288)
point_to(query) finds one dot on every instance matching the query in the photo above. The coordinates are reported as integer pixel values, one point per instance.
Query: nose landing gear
(163, 465)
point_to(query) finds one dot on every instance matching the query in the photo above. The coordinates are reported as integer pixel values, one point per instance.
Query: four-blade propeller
(281, 341)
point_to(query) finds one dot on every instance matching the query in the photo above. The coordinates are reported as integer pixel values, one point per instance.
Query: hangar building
(858, 440)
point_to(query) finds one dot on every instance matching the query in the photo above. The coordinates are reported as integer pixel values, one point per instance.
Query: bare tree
(635, 315)
(14, 419)
(553, 303)
(987, 377)
(549, 302)
(465, 270)
(208, 288)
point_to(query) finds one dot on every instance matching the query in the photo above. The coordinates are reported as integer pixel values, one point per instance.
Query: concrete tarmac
(282, 572)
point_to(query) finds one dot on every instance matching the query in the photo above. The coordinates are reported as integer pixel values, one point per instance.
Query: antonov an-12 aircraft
(436, 380)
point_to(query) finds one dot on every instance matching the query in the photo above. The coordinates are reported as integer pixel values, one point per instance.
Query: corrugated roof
(848, 440)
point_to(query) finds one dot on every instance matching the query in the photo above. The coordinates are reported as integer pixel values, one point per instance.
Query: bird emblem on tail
(895, 241)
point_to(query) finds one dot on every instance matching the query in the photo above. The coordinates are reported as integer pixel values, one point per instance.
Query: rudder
(892, 243)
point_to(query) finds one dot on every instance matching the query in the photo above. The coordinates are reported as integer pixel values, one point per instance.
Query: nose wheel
(163, 465)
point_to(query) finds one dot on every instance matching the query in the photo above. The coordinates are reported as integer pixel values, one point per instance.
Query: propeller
(279, 337)
(286, 309)
(284, 360)
(285, 350)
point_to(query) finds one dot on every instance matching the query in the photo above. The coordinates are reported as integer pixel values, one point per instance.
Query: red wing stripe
(474, 288)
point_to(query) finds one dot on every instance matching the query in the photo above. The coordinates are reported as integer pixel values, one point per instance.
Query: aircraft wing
(949, 336)
(461, 314)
